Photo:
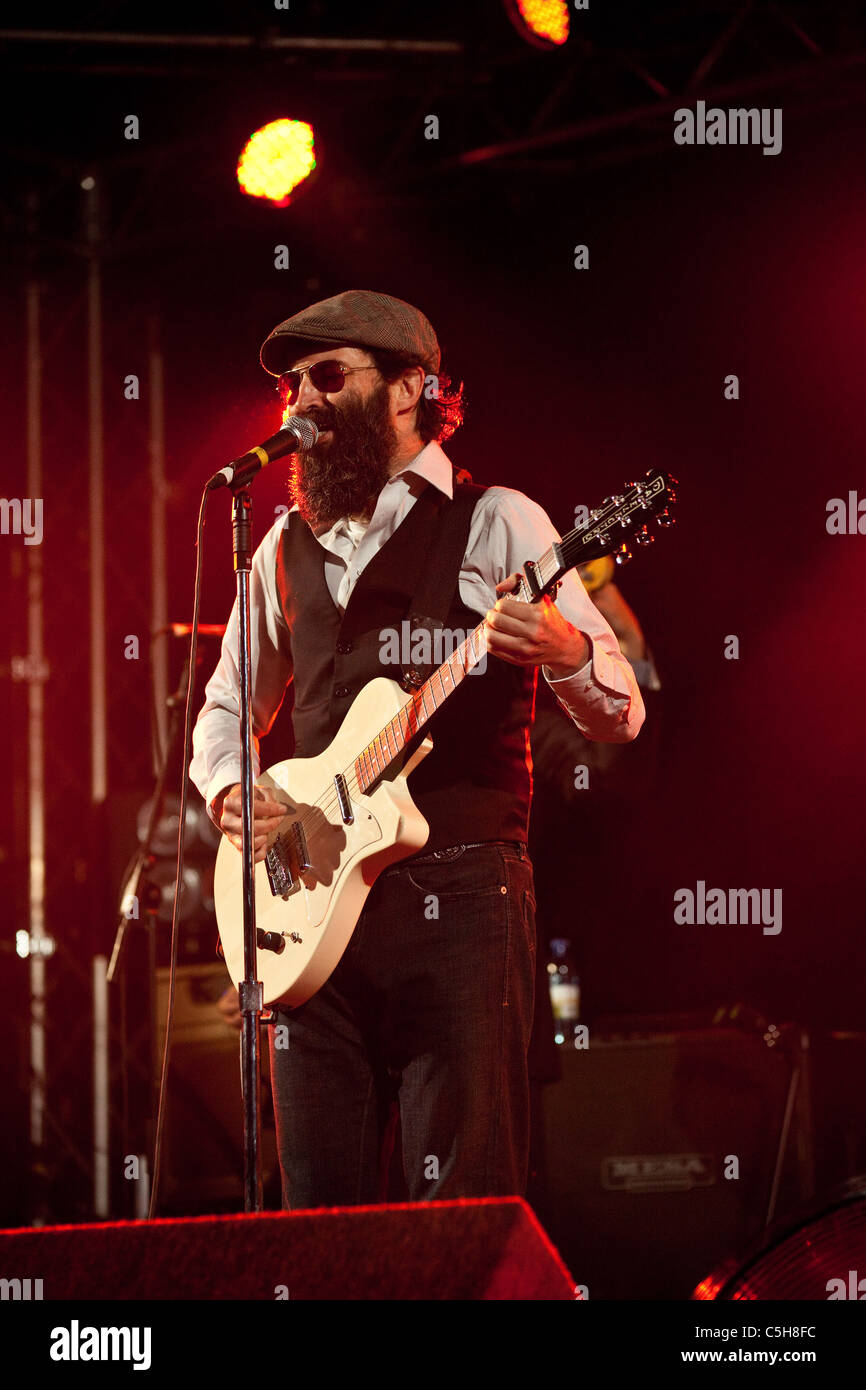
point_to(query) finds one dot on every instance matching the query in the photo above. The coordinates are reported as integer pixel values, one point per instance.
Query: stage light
(161, 881)
(199, 827)
(27, 945)
(276, 160)
(542, 22)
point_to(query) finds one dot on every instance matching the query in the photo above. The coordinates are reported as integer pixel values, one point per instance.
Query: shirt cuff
(573, 676)
(220, 782)
(601, 670)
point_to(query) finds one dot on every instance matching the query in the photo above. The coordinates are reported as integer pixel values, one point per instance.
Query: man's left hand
(534, 634)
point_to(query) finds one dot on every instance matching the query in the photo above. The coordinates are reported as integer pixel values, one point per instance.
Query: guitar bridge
(280, 876)
(287, 859)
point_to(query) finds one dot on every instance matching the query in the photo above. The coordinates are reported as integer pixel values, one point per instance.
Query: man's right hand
(267, 815)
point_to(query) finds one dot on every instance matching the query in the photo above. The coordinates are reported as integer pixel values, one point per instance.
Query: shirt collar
(434, 466)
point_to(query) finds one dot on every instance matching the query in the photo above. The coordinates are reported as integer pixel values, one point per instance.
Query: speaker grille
(813, 1258)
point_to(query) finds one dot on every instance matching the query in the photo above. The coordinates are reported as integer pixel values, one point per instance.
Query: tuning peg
(665, 518)
(644, 536)
(622, 556)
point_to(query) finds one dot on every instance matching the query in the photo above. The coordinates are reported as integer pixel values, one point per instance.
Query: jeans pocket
(476, 873)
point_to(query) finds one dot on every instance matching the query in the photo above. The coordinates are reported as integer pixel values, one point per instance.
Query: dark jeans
(432, 1002)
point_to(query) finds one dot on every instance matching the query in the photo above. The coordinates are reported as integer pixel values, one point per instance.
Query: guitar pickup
(531, 577)
(299, 846)
(346, 811)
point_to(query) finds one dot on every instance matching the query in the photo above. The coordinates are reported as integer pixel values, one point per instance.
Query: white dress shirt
(507, 529)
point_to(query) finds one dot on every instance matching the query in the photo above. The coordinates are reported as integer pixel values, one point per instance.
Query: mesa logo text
(76, 1343)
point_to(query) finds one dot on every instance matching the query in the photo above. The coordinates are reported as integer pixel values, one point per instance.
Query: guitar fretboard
(615, 518)
(423, 703)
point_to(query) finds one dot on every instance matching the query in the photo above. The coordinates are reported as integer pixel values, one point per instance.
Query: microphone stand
(251, 990)
(299, 434)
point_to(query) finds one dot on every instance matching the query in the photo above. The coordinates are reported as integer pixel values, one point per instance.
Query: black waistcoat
(475, 784)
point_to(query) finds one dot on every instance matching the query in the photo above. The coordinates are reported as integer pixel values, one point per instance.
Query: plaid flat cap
(355, 318)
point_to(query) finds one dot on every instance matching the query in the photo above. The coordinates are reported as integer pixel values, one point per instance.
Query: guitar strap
(435, 591)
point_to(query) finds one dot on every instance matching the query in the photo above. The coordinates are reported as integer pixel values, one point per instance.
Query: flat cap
(355, 318)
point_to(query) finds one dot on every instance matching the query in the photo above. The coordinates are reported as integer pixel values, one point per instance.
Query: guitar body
(316, 916)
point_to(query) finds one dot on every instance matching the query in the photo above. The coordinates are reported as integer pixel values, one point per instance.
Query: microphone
(299, 434)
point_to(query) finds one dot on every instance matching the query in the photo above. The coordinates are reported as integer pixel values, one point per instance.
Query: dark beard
(347, 473)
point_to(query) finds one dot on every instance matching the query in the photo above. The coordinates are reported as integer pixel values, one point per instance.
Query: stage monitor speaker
(819, 1255)
(490, 1248)
(662, 1154)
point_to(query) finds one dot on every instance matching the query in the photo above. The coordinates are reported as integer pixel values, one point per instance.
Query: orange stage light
(276, 160)
(543, 22)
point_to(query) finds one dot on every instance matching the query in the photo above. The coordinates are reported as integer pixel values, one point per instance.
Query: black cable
(181, 837)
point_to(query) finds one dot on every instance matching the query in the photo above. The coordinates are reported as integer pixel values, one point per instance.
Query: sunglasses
(328, 377)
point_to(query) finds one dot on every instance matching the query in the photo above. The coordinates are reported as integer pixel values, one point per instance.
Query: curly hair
(440, 409)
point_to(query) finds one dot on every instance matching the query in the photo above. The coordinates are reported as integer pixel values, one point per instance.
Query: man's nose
(307, 395)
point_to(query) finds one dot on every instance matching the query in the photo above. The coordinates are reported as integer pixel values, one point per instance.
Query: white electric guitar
(349, 813)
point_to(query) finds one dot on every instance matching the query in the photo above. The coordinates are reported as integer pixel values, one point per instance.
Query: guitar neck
(608, 525)
(423, 703)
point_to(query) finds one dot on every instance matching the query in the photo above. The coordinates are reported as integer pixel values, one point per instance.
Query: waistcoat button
(341, 691)
(343, 647)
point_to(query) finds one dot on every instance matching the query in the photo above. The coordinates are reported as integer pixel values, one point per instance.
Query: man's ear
(411, 384)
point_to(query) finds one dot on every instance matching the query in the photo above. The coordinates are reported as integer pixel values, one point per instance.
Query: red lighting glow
(276, 160)
(543, 22)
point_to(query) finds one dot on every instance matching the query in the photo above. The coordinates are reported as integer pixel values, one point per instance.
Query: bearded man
(432, 1001)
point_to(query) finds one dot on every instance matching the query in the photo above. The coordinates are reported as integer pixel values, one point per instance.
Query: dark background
(703, 262)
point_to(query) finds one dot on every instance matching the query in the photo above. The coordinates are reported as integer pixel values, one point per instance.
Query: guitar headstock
(620, 519)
